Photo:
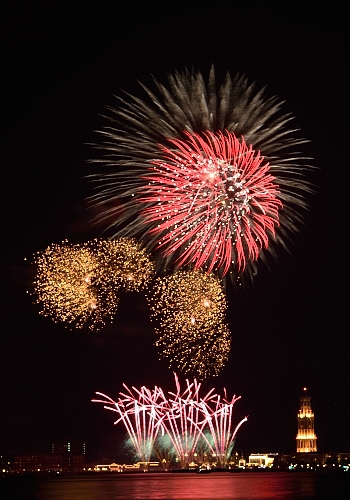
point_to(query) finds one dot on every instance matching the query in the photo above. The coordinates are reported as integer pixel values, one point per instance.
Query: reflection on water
(180, 486)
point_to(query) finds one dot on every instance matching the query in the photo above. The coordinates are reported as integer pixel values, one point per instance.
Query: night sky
(61, 68)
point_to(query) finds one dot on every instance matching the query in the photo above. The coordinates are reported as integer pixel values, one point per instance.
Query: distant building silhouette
(306, 437)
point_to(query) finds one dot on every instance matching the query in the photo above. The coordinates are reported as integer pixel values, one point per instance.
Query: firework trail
(221, 436)
(208, 178)
(182, 420)
(180, 424)
(140, 413)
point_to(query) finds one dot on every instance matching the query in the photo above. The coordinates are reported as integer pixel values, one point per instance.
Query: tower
(306, 437)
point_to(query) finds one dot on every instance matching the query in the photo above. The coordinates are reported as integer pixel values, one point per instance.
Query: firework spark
(209, 178)
(189, 309)
(79, 284)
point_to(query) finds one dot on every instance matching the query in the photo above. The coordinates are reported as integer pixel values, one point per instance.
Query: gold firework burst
(69, 285)
(190, 307)
(124, 263)
(188, 301)
(79, 284)
(203, 355)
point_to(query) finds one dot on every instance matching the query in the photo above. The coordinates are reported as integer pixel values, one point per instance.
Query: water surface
(241, 486)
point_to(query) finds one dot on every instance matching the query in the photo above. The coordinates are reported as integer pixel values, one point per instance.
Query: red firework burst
(213, 201)
(228, 184)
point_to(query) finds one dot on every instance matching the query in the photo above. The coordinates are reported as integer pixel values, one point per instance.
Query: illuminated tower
(306, 437)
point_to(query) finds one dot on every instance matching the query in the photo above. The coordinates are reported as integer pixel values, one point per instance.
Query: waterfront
(243, 486)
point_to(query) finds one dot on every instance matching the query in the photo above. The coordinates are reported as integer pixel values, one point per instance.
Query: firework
(182, 416)
(163, 450)
(214, 199)
(79, 284)
(140, 413)
(208, 178)
(189, 308)
(204, 355)
(125, 265)
(69, 287)
(183, 424)
(187, 301)
(221, 434)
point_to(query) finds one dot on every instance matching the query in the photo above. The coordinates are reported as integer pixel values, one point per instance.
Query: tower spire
(306, 437)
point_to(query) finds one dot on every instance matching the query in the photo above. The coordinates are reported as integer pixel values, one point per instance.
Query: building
(261, 460)
(306, 437)
(40, 462)
(64, 457)
(137, 467)
(74, 447)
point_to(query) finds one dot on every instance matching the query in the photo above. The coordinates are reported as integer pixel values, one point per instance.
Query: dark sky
(290, 329)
